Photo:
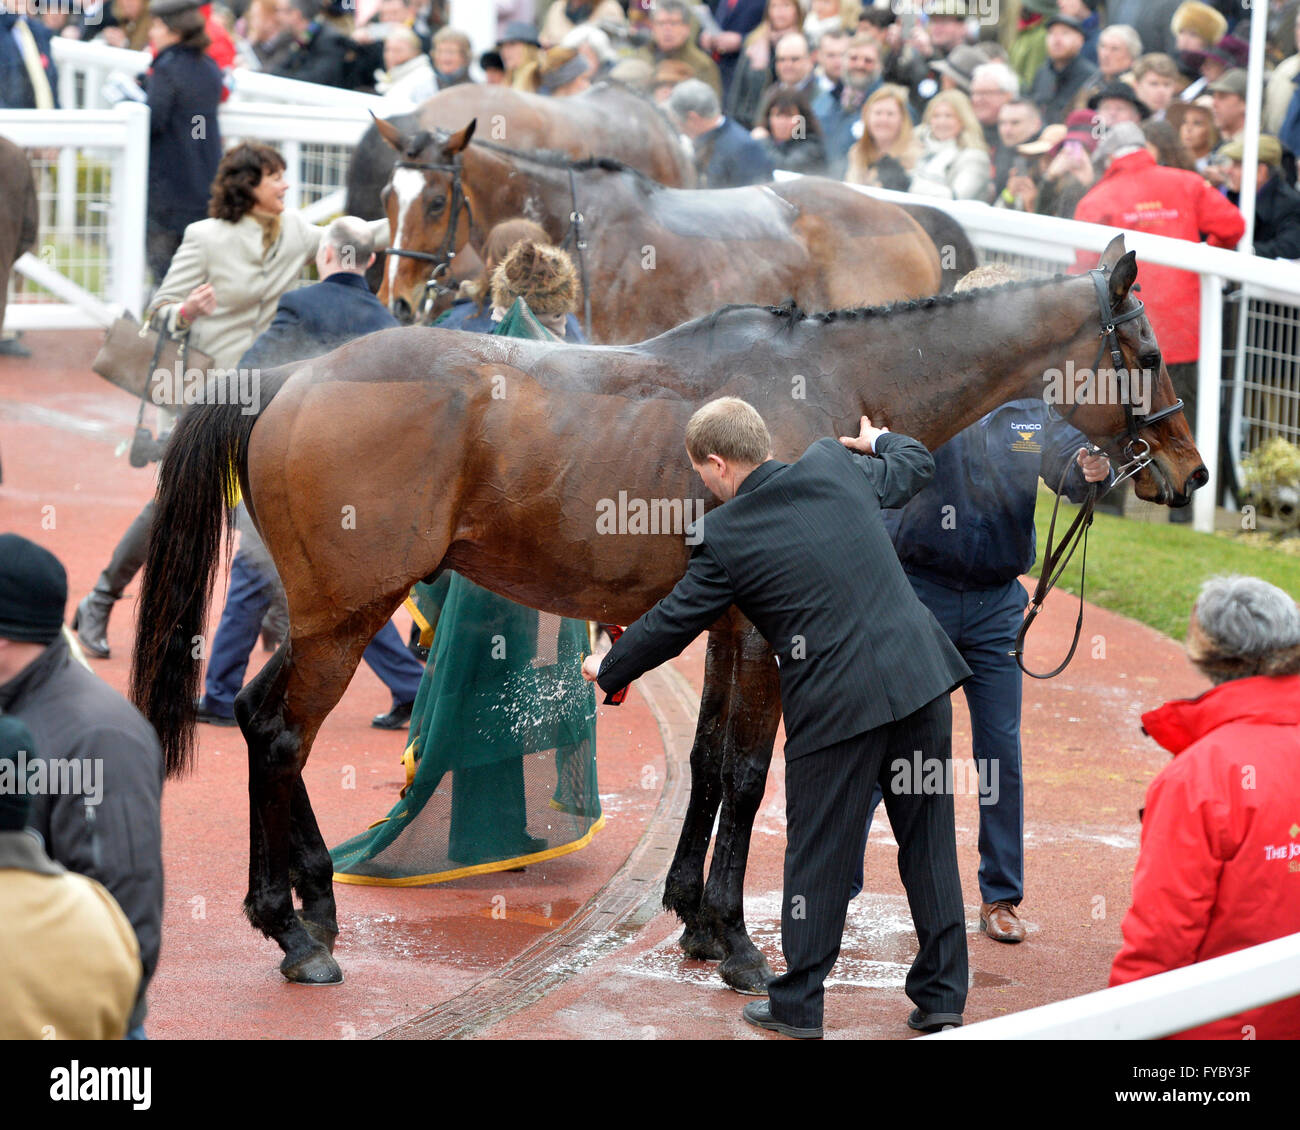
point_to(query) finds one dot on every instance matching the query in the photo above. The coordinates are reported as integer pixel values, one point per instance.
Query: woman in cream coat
(221, 291)
(954, 161)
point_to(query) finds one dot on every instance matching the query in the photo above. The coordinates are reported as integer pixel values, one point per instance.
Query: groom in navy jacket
(866, 672)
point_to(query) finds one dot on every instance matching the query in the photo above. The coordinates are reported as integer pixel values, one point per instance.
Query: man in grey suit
(866, 672)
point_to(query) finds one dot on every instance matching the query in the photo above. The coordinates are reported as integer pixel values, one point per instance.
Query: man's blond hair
(731, 428)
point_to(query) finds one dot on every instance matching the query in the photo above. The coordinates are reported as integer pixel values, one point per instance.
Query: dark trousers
(160, 246)
(828, 794)
(982, 624)
(249, 596)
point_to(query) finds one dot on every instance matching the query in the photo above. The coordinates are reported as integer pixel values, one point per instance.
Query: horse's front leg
(752, 718)
(684, 887)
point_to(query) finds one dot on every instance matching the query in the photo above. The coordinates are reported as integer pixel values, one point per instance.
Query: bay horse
(654, 257)
(606, 120)
(19, 214)
(418, 450)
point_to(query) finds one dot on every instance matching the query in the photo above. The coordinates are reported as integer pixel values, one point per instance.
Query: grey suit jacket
(802, 551)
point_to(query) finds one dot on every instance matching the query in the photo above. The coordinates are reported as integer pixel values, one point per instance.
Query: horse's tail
(957, 256)
(196, 490)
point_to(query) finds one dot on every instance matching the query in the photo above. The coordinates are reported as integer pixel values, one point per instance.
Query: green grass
(1152, 571)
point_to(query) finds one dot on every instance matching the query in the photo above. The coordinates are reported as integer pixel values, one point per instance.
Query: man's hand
(864, 443)
(1095, 467)
(591, 667)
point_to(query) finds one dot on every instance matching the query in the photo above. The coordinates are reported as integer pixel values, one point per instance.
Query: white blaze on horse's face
(407, 184)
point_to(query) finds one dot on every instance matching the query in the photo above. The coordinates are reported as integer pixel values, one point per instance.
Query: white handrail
(316, 125)
(1157, 1006)
(257, 86)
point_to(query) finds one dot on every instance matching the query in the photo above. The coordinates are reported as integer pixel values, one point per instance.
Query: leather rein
(435, 288)
(1137, 455)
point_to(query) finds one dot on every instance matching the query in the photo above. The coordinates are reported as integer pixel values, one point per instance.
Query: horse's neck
(506, 188)
(940, 369)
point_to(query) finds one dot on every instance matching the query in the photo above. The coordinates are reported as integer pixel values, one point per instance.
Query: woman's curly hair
(240, 172)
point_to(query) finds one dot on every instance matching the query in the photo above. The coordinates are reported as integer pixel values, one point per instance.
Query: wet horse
(496, 456)
(608, 120)
(654, 257)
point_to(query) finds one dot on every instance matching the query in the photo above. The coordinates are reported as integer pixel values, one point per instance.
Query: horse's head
(1125, 401)
(429, 216)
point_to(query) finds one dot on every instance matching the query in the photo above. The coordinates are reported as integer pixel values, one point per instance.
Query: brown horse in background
(654, 257)
(495, 456)
(19, 214)
(607, 120)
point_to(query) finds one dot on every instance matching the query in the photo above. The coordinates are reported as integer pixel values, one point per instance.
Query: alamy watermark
(54, 776)
(625, 515)
(1079, 385)
(176, 387)
(933, 776)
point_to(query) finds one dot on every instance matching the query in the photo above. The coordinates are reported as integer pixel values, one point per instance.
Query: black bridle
(1057, 557)
(435, 288)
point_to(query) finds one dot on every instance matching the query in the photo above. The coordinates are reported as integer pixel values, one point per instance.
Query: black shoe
(12, 347)
(759, 1014)
(396, 719)
(90, 621)
(933, 1021)
(212, 718)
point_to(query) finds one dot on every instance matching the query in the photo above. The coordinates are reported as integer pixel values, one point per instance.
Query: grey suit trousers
(827, 796)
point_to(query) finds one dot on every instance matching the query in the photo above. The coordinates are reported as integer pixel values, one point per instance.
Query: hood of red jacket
(1268, 699)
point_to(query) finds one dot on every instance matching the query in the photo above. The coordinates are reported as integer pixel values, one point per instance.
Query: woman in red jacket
(1219, 868)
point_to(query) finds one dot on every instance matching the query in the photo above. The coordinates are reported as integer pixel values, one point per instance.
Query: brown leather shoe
(1000, 922)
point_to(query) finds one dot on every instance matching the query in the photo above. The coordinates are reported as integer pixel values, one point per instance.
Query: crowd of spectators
(1005, 103)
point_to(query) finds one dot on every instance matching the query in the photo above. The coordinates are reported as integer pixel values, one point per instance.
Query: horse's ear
(390, 133)
(1122, 279)
(457, 141)
(1114, 249)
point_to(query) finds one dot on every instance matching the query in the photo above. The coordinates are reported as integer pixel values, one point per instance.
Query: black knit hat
(33, 591)
(15, 802)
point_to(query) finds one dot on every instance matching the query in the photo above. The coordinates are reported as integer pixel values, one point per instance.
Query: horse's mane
(791, 315)
(548, 158)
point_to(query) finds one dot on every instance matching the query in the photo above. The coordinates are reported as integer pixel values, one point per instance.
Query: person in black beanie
(70, 958)
(110, 827)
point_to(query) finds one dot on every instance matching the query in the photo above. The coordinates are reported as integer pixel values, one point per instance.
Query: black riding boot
(91, 619)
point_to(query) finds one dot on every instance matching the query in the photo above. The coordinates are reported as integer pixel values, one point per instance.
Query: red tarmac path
(581, 950)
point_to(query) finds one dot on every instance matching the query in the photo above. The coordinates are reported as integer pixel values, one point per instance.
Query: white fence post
(1209, 382)
(130, 198)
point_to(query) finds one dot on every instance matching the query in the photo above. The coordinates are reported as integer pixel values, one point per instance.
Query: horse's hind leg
(280, 713)
(312, 872)
(684, 887)
(752, 719)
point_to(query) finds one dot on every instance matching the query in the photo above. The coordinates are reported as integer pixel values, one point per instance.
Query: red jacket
(1219, 868)
(1138, 194)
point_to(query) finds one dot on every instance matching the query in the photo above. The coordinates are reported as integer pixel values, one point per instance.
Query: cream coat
(247, 282)
(70, 958)
(945, 169)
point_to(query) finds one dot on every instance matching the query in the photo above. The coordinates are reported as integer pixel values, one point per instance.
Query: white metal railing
(85, 67)
(1053, 243)
(1157, 1006)
(91, 243)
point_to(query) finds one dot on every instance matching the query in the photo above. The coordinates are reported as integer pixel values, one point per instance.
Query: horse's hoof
(701, 945)
(318, 967)
(747, 976)
(322, 934)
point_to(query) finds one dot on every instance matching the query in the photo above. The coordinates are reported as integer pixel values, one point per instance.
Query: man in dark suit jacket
(308, 322)
(27, 83)
(725, 154)
(866, 671)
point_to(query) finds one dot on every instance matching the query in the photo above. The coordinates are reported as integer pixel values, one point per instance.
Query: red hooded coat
(1219, 868)
(1138, 194)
